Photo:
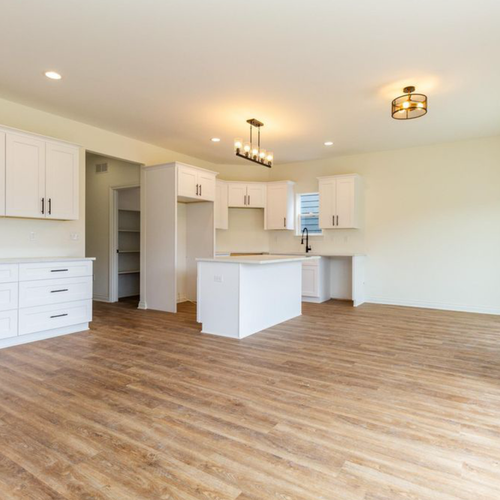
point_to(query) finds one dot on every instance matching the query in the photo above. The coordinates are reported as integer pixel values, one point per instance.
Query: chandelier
(409, 105)
(253, 152)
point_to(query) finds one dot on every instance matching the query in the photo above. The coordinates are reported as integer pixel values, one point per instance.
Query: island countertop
(259, 259)
(34, 260)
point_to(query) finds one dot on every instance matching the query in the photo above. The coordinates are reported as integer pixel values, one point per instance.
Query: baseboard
(443, 306)
(142, 305)
(101, 298)
(47, 334)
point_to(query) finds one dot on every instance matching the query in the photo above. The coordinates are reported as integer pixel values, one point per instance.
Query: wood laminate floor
(374, 403)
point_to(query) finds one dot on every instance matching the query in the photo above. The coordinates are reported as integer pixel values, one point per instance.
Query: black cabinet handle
(337, 220)
(50, 206)
(58, 315)
(58, 291)
(284, 221)
(200, 189)
(333, 220)
(244, 199)
(248, 199)
(43, 205)
(58, 270)
(196, 189)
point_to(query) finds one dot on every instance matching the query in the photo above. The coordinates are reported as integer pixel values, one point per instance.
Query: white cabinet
(339, 198)
(221, 207)
(25, 176)
(247, 194)
(195, 183)
(39, 177)
(316, 280)
(2, 174)
(280, 205)
(61, 181)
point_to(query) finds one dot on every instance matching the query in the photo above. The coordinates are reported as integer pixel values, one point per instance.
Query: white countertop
(26, 260)
(326, 254)
(260, 259)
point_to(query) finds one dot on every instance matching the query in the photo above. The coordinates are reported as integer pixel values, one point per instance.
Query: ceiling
(177, 73)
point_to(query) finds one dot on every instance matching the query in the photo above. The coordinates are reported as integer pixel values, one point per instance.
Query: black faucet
(308, 248)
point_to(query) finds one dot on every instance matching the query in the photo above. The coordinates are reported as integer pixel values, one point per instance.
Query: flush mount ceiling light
(409, 105)
(251, 151)
(53, 75)
(215, 139)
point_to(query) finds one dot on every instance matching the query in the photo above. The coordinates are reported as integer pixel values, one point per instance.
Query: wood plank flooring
(374, 403)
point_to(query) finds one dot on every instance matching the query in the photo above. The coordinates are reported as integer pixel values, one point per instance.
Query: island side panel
(218, 298)
(270, 294)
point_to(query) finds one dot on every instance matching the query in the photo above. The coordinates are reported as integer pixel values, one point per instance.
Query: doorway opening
(113, 231)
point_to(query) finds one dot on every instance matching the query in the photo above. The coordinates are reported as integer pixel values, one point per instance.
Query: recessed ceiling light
(328, 143)
(215, 139)
(53, 75)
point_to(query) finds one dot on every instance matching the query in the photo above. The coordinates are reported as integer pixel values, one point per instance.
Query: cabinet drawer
(37, 319)
(9, 273)
(8, 296)
(8, 324)
(55, 291)
(54, 270)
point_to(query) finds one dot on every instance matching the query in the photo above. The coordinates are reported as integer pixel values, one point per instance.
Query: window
(308, 213)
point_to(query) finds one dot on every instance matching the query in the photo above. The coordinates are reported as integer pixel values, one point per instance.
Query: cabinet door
(344, 198)
(221, 210)
(187, 182)
(236, 194)
(206, 186)
(276, 210)
(25, 177)
(256, 195)
(327, 203)
(2, 173)
(310, 280)
(61, 184)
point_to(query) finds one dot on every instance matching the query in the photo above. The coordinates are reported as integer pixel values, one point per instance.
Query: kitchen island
(240, 296)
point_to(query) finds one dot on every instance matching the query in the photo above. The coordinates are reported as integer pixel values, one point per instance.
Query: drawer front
(54, 270)
(38, 319)
(55, 291)
(8, 324)
(9, 273)
(8, 296)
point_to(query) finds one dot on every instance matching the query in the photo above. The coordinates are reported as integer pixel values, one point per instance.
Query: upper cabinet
(246, 194)
(195, 183)
(221, 212)
(280, 205)
(339, 198)
(39, 178)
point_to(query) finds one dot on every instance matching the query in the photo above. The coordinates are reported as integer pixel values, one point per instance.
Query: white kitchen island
(239, 296)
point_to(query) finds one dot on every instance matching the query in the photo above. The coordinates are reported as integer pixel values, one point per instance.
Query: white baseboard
(47, 334)
(142, 305)
(443, 306)
(101, 298)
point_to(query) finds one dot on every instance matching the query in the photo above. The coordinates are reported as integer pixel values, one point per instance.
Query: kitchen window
(308, 213)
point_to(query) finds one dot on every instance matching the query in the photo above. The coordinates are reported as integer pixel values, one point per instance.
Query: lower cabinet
(316, 280)
(46, 298)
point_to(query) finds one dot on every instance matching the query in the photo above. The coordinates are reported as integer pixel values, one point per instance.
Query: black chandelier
(249, 151)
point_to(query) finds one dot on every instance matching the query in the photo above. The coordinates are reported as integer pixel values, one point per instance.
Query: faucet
(308, 248)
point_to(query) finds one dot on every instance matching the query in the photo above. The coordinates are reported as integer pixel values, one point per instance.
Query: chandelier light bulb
(251, 150)
(238, 144)
(262, 154)
(247, 147)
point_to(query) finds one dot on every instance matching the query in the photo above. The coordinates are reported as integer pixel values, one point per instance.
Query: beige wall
(431, 224)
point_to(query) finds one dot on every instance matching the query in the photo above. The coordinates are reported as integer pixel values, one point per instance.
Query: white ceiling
(176, 73)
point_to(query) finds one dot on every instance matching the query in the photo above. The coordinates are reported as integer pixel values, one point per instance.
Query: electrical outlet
(32, 236)
(74, 236)
(218, 279)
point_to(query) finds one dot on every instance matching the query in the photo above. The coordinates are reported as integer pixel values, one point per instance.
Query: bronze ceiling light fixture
(253, 152)
(409, 105)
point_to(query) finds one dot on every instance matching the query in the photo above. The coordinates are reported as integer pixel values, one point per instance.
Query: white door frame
(113, 240)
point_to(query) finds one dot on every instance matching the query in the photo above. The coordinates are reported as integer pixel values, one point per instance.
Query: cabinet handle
(337, 220)
(57, 291)
(248, 199)
(200, 189)
(50, 206)
(43, 205)
(58, 315)
(244, 199)
(196, 189)
(284, 221)
(58, 270)
(333, 220)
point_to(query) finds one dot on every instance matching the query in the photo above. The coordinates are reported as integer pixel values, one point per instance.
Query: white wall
(431, 227)
(181, 270)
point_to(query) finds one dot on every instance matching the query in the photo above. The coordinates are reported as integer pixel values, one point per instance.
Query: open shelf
(129, 230)
(135, 271)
